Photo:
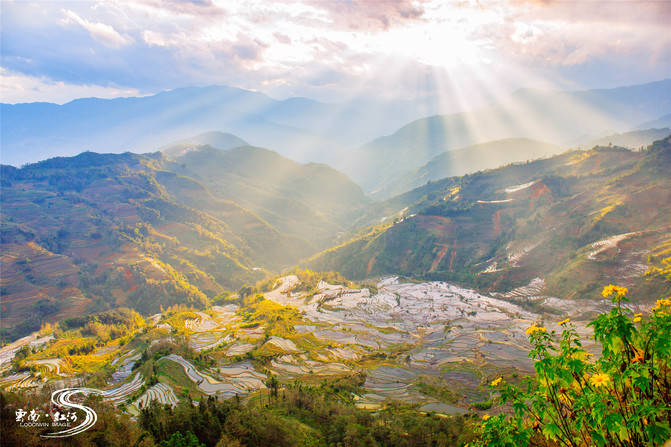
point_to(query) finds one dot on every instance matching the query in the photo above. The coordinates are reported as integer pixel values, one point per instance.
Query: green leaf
(551, 431)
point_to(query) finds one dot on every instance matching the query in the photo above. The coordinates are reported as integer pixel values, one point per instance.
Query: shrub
(623, 398)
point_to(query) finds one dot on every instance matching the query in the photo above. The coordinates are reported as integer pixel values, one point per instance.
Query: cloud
(333, 49)
(195, 8)
(152, 38)
(370, 15)
(101, 32)
(575, 33)
(282, 38)
(16, 87)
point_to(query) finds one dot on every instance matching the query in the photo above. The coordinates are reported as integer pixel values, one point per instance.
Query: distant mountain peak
(214, 139)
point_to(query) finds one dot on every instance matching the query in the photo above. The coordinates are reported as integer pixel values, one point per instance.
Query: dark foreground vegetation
(295, 415)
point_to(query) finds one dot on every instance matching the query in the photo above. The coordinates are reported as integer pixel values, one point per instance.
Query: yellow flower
(600, 379)
(496, 381)
(563, 398)
(485, 417)
(534, 329)
(638, 315)
(564, 321)
(660, 303)
(637, 319)
(611, 289)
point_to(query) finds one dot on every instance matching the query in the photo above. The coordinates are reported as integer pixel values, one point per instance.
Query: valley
(487, 255)
(201, 280)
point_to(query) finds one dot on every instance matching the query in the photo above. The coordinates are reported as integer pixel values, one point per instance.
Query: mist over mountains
(346, 135)
(561, 118)
(299, 128)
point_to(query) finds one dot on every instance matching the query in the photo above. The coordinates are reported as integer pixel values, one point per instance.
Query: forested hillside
(97, 231)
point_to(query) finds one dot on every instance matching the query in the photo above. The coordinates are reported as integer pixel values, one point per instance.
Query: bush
(623, 398)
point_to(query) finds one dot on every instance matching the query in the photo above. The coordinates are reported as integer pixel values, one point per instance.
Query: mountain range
(635, 139)
(220, 140)
(306, 130)
(299, 128)
(466, 160)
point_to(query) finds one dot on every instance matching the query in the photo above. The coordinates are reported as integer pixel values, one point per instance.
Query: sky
(329, 50)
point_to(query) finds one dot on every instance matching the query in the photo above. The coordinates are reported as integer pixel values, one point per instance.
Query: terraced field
(409, 330)
(201, 324)
(17, 381)
(207, 340)
(125, 368)
(292, 367)
(433, 344)
(236, 380)
(122, 392)
(32, 341)
(239, 348)
(50, 366)
(159, 392)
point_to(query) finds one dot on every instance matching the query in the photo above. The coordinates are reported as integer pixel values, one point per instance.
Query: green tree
(179, 440)
(273, 384)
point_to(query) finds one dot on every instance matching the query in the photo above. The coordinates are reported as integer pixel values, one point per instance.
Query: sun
(437, 45)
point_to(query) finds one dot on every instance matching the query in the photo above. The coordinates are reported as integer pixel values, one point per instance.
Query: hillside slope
(311, 201)
(574, 220)
(466, 160)
(632, 140)
(86, 233)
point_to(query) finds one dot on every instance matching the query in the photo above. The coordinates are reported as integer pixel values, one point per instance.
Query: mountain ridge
(477, 157)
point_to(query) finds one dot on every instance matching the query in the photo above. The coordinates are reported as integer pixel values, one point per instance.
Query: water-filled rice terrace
(431, 344)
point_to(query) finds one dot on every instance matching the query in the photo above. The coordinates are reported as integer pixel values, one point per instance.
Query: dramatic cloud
(367, 16)
(333, 49)
(101, 32)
